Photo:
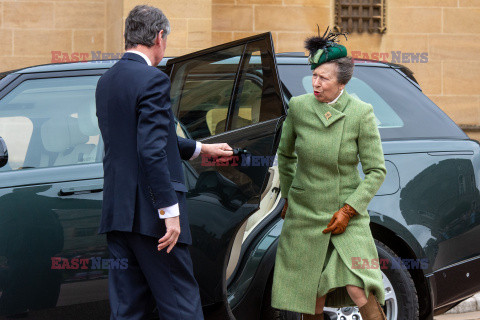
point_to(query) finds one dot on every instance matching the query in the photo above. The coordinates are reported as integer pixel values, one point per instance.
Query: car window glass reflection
(202, 89)
(255, 102)
(384, 114)
(247, 108)
(400, 107)
(51, 122)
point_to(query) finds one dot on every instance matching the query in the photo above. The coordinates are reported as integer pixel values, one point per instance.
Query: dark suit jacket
(142, 163)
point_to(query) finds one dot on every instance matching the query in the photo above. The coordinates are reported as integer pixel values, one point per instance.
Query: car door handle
(83, 189)
(239, 151)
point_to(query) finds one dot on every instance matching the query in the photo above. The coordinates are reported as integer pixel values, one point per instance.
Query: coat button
(162, 212)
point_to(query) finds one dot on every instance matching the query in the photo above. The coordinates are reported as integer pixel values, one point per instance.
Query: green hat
(324, 48)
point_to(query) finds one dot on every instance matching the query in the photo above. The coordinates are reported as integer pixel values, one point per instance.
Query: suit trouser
(151, 277)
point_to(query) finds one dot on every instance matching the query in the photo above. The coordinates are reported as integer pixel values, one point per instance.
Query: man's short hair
(143, 25)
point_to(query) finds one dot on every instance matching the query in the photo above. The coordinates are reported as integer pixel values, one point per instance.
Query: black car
(53, 265)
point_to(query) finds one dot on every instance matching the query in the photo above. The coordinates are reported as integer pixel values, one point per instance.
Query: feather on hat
(324, 48)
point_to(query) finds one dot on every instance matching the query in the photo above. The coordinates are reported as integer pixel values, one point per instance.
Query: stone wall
(191, 23)
(30, 30)
(446, 30)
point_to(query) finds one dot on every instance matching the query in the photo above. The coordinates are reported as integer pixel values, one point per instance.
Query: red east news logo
(75, 263)
(59, 57)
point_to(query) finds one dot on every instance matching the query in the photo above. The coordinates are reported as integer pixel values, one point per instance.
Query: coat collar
(330, 113)
(134, 57)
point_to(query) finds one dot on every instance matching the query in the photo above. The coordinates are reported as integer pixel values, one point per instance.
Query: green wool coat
(318, 156)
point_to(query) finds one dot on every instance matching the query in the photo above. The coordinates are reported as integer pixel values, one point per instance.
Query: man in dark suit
(144, 193)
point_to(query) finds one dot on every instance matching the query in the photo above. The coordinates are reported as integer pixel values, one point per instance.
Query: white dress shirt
(173, 210)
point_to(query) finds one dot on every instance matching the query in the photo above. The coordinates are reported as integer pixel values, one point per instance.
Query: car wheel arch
(402, 249)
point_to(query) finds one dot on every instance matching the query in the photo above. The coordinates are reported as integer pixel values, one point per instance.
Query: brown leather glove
(340, 220)
(284, 210)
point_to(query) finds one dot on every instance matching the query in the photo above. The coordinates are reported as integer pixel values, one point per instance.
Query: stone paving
(459, 316)
(467, 310)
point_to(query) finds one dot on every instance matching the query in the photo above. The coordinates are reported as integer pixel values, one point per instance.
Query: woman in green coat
(326, 228)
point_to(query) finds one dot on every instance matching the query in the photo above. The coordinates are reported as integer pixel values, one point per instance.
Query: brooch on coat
(328, 115)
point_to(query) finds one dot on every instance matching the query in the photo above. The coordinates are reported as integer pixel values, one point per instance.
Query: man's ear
(159, 38)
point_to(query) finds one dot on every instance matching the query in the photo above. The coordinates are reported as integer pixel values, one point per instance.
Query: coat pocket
(178, 186)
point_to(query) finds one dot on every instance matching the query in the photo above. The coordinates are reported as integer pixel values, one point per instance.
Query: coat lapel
(331, 113)
(327, 114)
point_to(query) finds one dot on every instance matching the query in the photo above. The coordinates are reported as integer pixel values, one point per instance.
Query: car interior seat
(248, 111)
(88, 123)
(62, 136)
(216, 119)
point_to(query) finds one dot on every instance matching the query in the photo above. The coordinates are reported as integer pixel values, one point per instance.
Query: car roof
(287, 58)
(282, 58)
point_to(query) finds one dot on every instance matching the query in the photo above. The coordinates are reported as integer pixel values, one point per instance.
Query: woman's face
(324, 82)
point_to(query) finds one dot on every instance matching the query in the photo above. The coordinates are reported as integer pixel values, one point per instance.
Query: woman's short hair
(143, 25)
(344, 69)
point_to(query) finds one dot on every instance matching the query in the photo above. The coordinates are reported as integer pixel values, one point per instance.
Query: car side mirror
(3, 153)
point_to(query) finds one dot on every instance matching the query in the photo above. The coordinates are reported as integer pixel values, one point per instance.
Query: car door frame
(221, 309)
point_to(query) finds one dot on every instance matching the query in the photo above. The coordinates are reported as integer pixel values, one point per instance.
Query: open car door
(229, 93)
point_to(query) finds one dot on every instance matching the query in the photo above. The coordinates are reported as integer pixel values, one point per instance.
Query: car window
(386, 117)
(220, 92)
(384, 114)
(402, 111)
(247, 109)
(51, 122)
(202, 94)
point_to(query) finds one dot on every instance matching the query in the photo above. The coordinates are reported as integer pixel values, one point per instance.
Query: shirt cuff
(169, 212)
(198, 148)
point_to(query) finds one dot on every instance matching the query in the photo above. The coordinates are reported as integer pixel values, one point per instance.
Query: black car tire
(401, 280)
(403, 285)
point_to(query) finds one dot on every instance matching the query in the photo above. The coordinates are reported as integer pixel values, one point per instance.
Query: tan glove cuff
(349, 210)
